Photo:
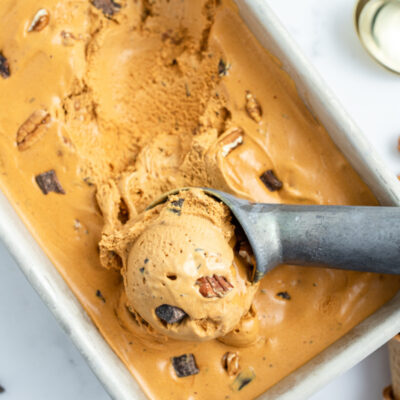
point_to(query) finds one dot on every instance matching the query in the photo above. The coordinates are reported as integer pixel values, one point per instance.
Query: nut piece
(170, 314)
(214, 286)
(109, 7)
(4, 67)
(232, 138)
(185, 365)
(245, 252)
(32, 129)
(269, 179)
(48, 182)
(40, 21)
(230, 362)
(253, 107)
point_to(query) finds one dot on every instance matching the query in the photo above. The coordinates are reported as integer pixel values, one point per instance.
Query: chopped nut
(48, 182)
(4, 67)
(214, 286)
(253, 107)
(230, 362)
(40, 21)
(269, 179)
(109, 7)
(185, 365)
(32, 129)
(123, 213)
(68, 39)
(232, 138)
(245, 251)
(170, 314)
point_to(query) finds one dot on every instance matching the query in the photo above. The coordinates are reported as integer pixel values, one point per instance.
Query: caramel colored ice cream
(179, 268)
(107, 104)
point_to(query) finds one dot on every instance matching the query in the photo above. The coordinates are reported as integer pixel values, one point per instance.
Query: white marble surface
(38, 361)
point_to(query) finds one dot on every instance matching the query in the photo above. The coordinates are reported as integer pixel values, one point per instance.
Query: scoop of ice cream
(181, 274)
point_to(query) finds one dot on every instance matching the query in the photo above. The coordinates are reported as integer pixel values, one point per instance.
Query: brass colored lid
(378, 27)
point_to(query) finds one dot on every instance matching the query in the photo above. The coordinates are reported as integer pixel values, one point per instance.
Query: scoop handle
(352, 238)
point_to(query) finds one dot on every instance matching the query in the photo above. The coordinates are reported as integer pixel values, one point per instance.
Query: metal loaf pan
(342, 355)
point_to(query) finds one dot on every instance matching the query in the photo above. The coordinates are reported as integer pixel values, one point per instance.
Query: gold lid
(378, 27)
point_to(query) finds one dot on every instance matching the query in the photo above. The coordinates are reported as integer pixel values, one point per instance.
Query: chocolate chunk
(185, 365)
(223, 68)
(4, 67)
(170, 314)
(269, 179)
(48, 182)
(178, 203)
(176, 206)
(109, 7)
(243, 379)
(100, 296)
(214, 286)
(284, 295)
(2, 390)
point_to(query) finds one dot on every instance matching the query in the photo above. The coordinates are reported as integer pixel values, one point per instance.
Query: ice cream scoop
(182, 275)
(346, 237)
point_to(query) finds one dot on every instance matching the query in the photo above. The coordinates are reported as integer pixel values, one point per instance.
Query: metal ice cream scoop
(346, 237)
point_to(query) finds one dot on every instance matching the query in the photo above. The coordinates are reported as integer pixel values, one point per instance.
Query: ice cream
(180, 272)
(104, 106)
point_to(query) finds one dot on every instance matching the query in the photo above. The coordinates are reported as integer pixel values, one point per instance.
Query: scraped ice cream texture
(106, 105)
(179, 268)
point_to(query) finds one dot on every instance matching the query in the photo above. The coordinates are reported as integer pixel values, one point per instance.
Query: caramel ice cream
(107, 104)
(179, 269)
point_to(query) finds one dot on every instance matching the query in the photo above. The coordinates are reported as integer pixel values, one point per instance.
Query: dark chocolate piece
(109, 7)
(170, 314)
(176, 206)
(243, 379)
(222, 68)
(269, 179)
(284, 295)
(4, 67)
(2, 390)
(100, 296)
(185, 365)
(48, 182)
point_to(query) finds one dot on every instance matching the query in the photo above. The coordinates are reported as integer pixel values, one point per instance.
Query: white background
(39, 362)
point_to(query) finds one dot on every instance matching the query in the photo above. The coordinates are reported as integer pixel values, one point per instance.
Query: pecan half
(109, 7)
(230, 362)
(40, 21)
(32, 129)
(232, 138)
(4, 67)
(269, 179)
(253, 107)
(185, 365)
(214, 286)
